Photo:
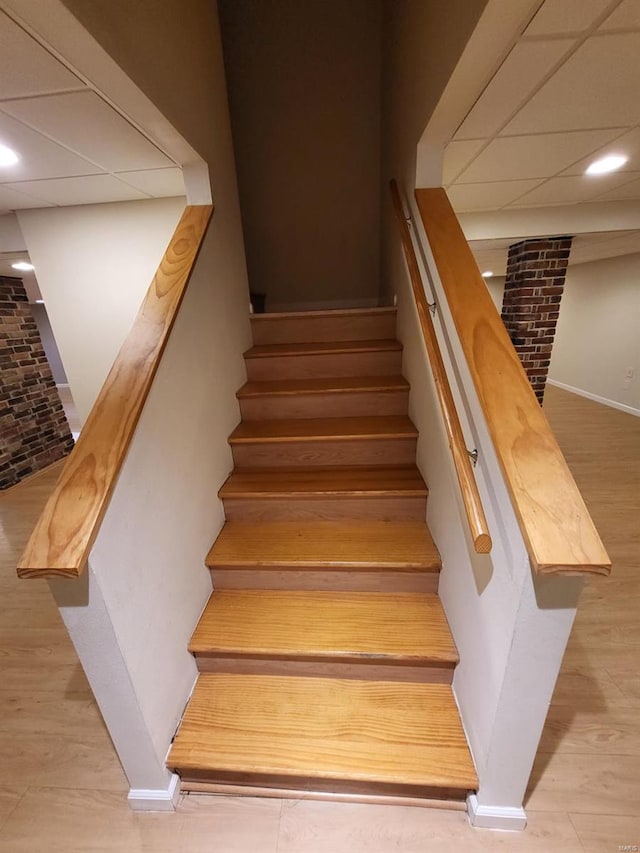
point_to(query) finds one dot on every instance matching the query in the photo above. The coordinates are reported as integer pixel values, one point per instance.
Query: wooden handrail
(468, 486)
(60, 543)
(554, 521)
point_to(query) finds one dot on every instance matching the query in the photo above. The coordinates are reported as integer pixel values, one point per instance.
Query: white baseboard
(330, 305)
(595, 397)
(495, 817)
(155, 800)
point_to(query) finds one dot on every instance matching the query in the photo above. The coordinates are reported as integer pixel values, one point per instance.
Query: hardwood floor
(62, 789)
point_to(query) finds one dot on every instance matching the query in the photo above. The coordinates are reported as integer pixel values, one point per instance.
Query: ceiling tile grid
(74, 147)
(567, 94)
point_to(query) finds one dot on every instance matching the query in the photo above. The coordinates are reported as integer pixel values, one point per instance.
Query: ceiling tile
(597, 87)
(13, 200)
(571, 190)
(457, 155)
(558, 17)
(523, 70)
(88, 125)
(628, 144)
(39, 157)
(494, 260)
(92, 189)
(630, 190)
(156, 182)
(588, 247)
(489, 196)
(542, 156)
(492, 254)
(26, 68)
(625, 17)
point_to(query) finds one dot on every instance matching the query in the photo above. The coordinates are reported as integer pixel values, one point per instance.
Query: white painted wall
(147, 565)
(598, 333)
(510, 627)
(495, 286)
(132, 617)
(94, 265)
(48, 343)
(11, 239)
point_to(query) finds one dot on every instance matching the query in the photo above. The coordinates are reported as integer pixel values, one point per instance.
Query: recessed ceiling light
(606, 164)
(7, 156)
(487, 274)
(22, 265)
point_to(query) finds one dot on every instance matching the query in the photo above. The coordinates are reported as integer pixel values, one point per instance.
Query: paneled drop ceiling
(74, 147)
(567, 93)
(492, 254)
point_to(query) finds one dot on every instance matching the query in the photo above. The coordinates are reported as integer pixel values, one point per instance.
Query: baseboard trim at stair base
(595, 397)
(495, 817)
(155, 800)
(324, 796)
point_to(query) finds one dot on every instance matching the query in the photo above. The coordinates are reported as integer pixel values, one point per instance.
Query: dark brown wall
(422, 42)
(33, 428)
(303, 78)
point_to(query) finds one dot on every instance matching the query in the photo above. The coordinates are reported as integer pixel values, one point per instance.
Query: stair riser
(298, 330)
(229, 790)
(326, 509)
(385, 363)
(393, 451)
(315, 784)
(325, 579)
(328, 669)
(342, 405)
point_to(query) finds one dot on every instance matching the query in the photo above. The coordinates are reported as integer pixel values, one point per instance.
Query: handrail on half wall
(470, 496)
(62, 539)
(556, 526)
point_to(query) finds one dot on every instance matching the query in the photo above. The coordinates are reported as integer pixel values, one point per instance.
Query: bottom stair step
(324, 734)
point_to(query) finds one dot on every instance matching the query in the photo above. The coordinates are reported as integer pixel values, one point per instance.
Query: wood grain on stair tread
(380, 628)
(368, 731)
(322, 348)
(328, 429)
(324, 482)
(355, 545)
(324, 385)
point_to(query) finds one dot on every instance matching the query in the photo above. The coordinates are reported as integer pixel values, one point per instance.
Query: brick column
(533, 288)
(33, 425)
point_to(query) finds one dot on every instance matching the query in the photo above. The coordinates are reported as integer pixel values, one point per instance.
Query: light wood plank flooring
(62, 789)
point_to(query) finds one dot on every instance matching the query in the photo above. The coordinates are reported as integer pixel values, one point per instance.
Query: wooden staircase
(324, 654)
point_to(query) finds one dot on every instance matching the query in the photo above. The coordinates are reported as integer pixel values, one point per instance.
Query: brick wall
(533, 288)
(33, 428)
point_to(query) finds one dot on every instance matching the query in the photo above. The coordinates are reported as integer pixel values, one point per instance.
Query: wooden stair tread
(322, 348)
(335, 385)
(324, 482)
(323, 429)
(356, 545)
(346, 626)
(271, 727)
(327, 312)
